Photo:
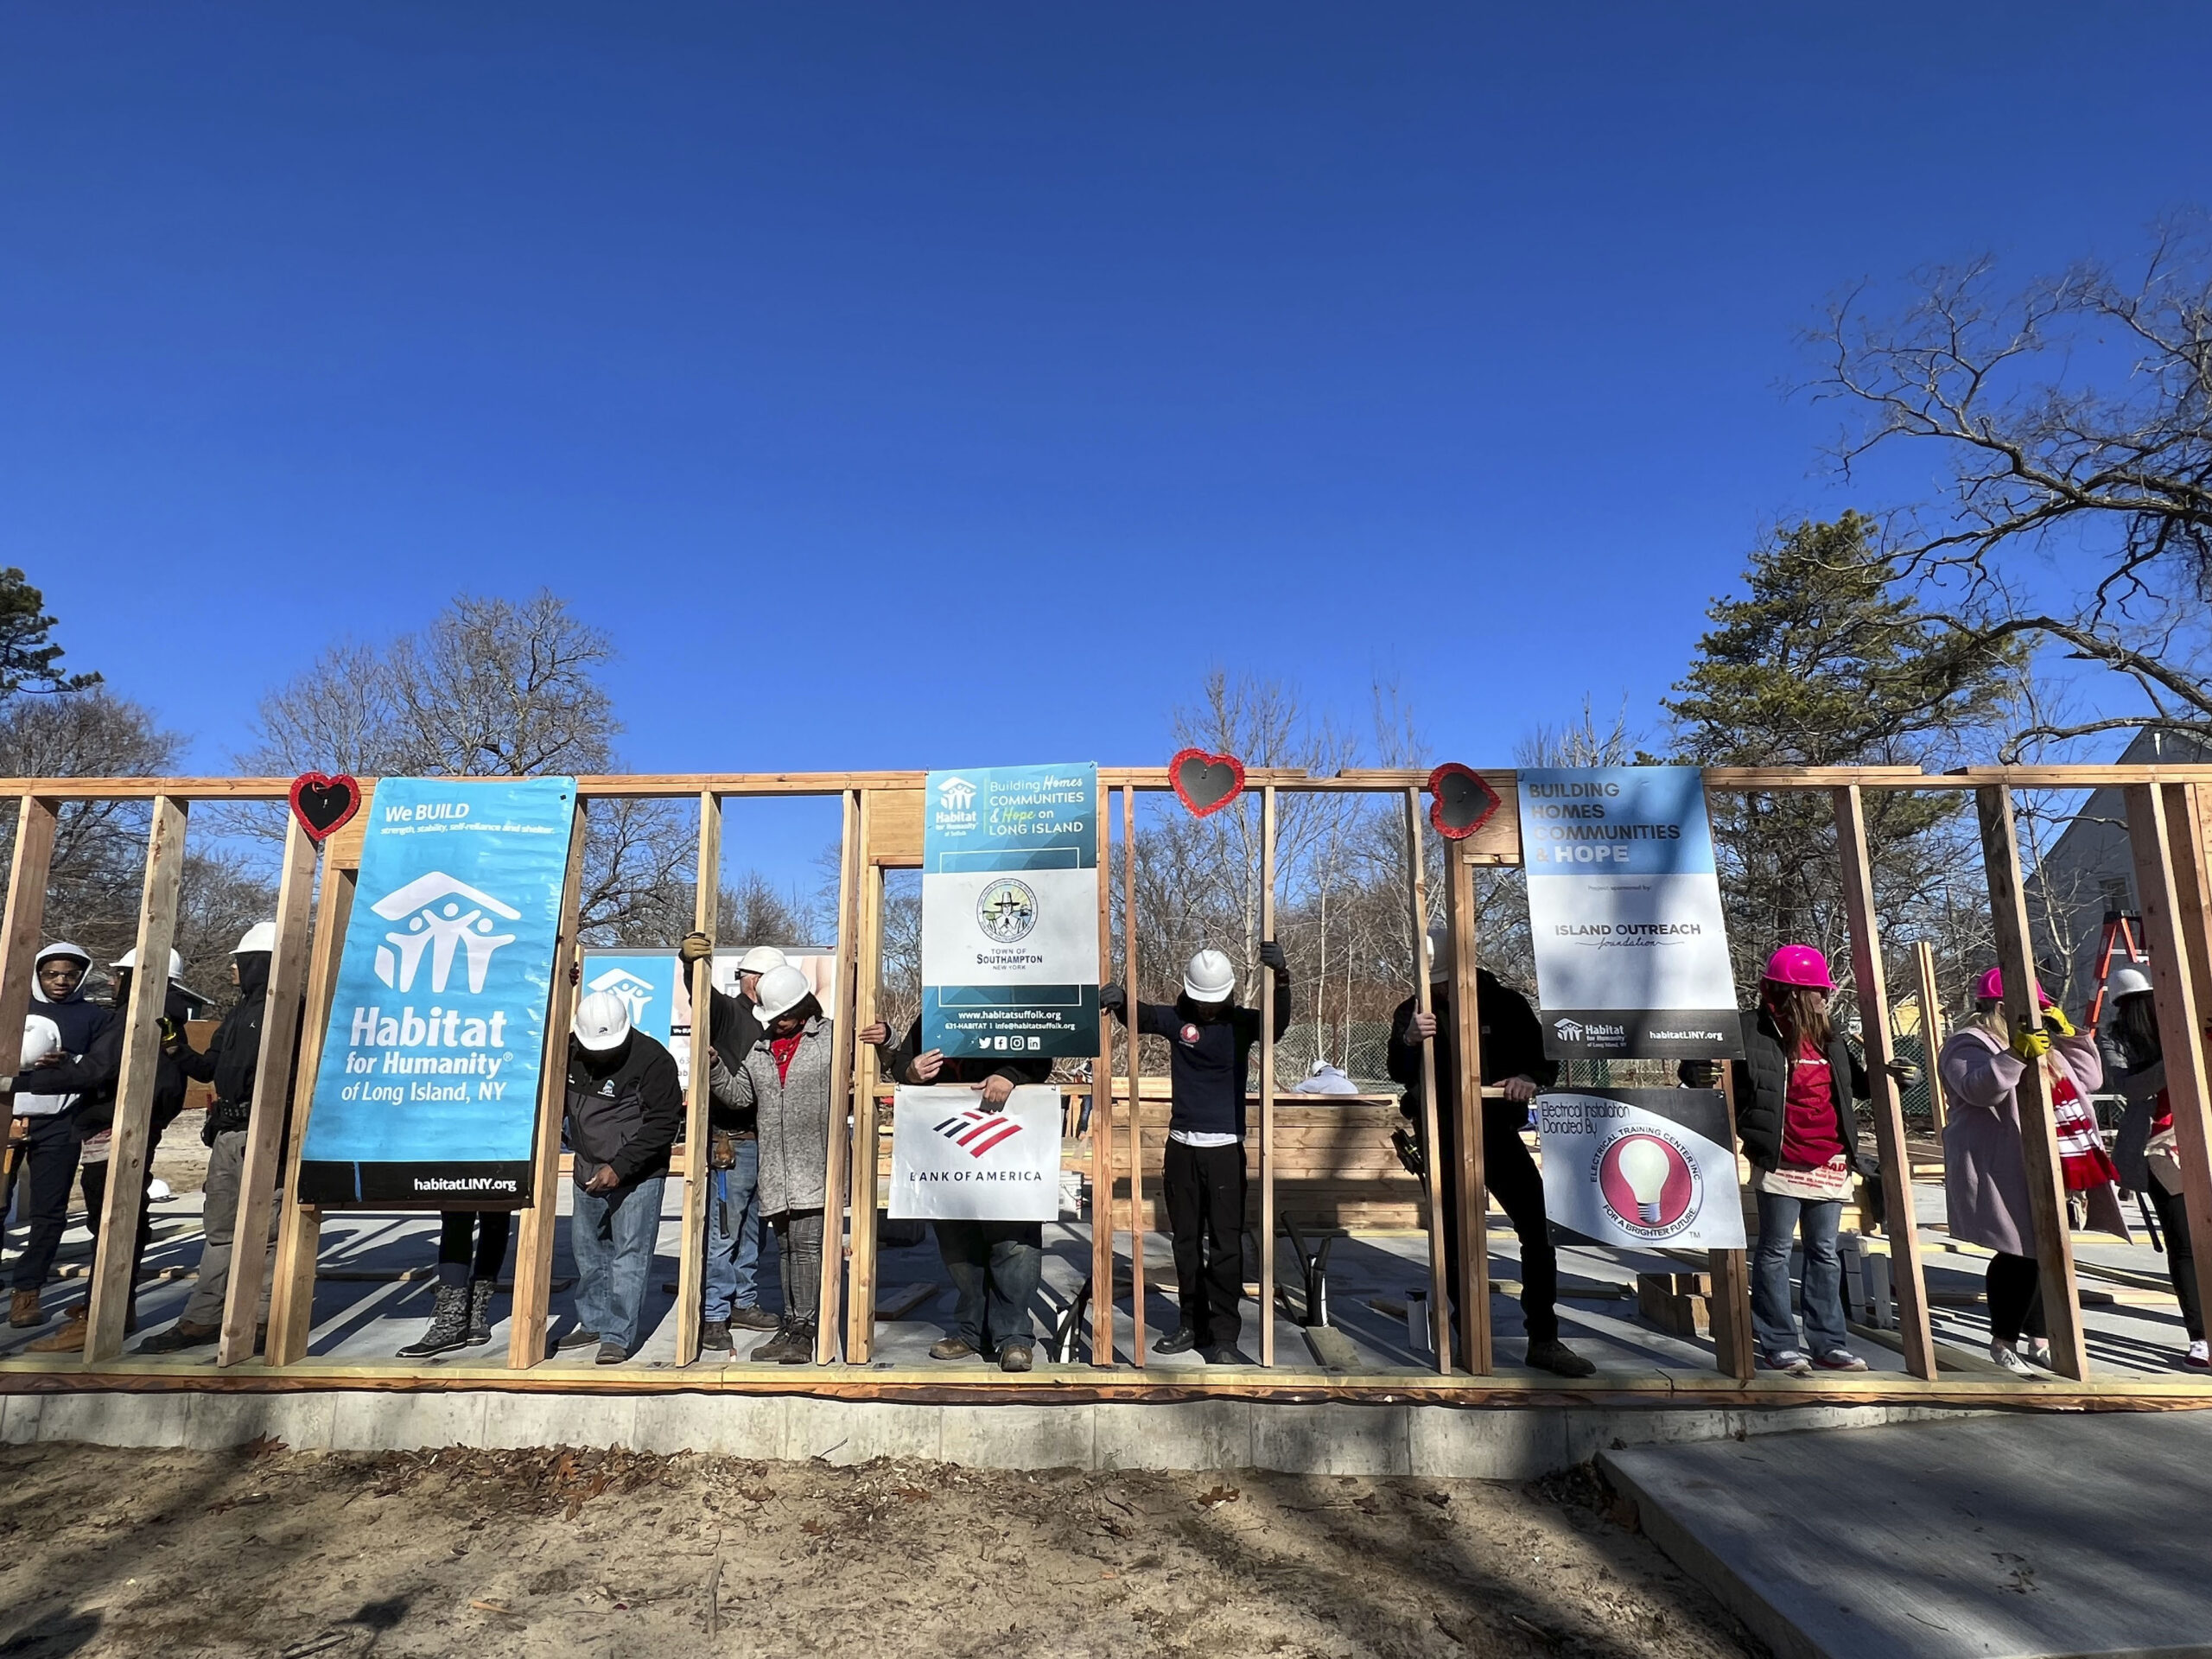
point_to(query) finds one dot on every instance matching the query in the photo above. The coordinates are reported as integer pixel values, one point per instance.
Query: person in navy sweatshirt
(1210, 1047)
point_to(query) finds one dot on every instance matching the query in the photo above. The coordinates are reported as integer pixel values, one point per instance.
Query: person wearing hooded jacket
(2144, 1150)
(230, 1063)
(94, 1080)
(61, 1029)
(730, 1292)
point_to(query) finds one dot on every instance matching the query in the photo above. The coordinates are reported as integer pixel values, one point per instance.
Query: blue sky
(913, 386)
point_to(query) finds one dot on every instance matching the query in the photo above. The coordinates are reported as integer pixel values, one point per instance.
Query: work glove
(1113, 999)
(2056, 1016)
(2032, 1045)
(1906, 1073)
(694, 947)
(1271, 955)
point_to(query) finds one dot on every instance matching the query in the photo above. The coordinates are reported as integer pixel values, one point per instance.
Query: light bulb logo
(1645, 1167)
(1650, 1182)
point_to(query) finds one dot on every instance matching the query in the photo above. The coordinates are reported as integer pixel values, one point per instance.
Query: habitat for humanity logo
(443, 916)
(977, 1131)
(634, 992)
(956, 794)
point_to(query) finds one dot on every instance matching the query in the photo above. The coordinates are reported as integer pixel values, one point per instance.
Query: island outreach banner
(426, 1094)
(950, 1160)
(1642, 1166)
(1625, 913)
(1010, 911)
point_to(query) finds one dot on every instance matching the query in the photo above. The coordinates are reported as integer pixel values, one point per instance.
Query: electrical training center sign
(1641, 1167)
(1010, 911)
(426, 1095)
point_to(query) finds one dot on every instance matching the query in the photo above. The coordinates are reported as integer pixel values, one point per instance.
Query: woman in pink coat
(1984, 1171)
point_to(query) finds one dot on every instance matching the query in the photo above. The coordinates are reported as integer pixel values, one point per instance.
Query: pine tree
(26, 655)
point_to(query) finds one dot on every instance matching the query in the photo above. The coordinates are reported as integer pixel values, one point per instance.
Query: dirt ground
(263, 1552)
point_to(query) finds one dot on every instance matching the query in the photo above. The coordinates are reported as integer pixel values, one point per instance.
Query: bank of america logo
(444, 917)
(977, 1132)
(956, 794)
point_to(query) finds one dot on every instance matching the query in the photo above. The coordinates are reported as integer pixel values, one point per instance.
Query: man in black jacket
(735, 1228)
(995, 1265)
(232, 1064)
(64, 1026)
(1512, 1057)
(626, 1109)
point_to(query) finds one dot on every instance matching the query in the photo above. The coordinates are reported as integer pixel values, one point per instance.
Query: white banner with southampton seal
(1640, 1167)
(1625, 914)
(1010, 911)
(953, 1160)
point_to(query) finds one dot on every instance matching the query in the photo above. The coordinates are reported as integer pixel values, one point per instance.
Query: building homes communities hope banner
(1625, 914)
(426, 1095)
(1010, 911)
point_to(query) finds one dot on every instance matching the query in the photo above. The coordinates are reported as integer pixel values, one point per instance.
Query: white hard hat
(1438, 948)
(1210, 978)
(760, 959)
(783, 988)
(130, 959)
(2127, 981)
(602, 1022)
(261, 937)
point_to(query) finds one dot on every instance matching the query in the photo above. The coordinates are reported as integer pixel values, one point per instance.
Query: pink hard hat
(1800, 964)
(1992, 989)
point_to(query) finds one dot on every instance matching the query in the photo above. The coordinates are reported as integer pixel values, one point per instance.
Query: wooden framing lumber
(1136, 1111)
(861, 920)
(2178, 994)
(1417, 902)
(533, 1294)
(1267, 1082)
(2053, 1240)
(131, 1136)
(1102, 1118)
(263, 1174)
(1889, 1114)
(35, 818)
(698, 1179)
(1471, 1197)
(1931, 1027)
(852, 837)
(1733, 1347)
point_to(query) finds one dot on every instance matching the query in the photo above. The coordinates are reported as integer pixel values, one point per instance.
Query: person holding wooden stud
(625, 1108)
(1512, 1058)
(730, 1294)
(2144, 1150)
(783, 1085)
(1210, 1040)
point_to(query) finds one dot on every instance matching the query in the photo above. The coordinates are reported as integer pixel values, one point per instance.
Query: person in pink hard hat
(1800, 1131)
(1985, 1172)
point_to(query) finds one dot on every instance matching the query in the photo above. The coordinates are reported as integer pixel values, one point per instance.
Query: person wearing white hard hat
(736, 1229)
(1210, 1040)
(783, 1082)
(232, 1064)
(626, 1109)
(2144, 1149)
(61, 1027)
(93, 1080)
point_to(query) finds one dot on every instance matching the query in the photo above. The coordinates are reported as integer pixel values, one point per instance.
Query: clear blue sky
(922, 384)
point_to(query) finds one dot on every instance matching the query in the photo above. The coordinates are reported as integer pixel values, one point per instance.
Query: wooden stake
(1267, 1082)
(533, 1296)
(1439, 1320)
(852, 846)
(132, 1134)
(698, 1179)
(259, 1180)
(2054, 1241)
(1931, 1028)
(1102, 1123)
(1889, 1114)
(1136, 1094)
(19, 939)
(2169, 920)
(1733, 1344)
(1472, 1196)
(862, 923)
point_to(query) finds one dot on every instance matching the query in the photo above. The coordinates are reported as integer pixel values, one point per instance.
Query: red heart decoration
(1463, 801)
(1205, 782)
(324, 804)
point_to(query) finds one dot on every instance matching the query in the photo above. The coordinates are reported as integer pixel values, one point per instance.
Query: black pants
(2181, 1260)
(472, 1244)
(1512, 1178)
(93, 1178)
(2015, 1288)
(48, 1170)
(1205, 1190)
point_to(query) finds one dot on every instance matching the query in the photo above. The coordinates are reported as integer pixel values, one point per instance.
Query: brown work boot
(181, 1335)
(24, 1311)
(69, 1339)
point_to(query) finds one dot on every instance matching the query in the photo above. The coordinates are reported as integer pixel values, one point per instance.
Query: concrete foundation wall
(1331, 1440)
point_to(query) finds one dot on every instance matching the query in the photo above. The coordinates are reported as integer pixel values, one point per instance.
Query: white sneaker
(2039, 1351)
(2003, 1353)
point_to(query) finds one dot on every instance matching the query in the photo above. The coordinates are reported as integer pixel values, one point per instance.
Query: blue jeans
(994, 1267)
(1821, 1292)
(733, 1249)
(612, 1234)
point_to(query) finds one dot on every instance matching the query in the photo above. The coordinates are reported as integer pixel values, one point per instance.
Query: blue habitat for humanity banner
(1624, 912)
(426, 1093)
(1010, 911)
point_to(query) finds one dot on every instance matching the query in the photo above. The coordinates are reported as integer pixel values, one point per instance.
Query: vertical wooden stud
(1889, 1114)
(1472, 1197)
(2054, 1242)
(853, 1154)
(698, 1179)
(533, 1296)
(1102, 1120)
(132, 1134)
(1417, 899)
(1267, 1082)
(863, 924)
(259, 1180)
(19, 938)
(1136, 1093)
(1931, 1028)
(1733, 1345)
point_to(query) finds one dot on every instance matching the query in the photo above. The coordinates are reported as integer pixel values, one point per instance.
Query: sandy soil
(263, 1552)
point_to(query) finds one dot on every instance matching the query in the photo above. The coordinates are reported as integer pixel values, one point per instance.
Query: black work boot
(448, 1326)
(800, 1350)
(479, 1311)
